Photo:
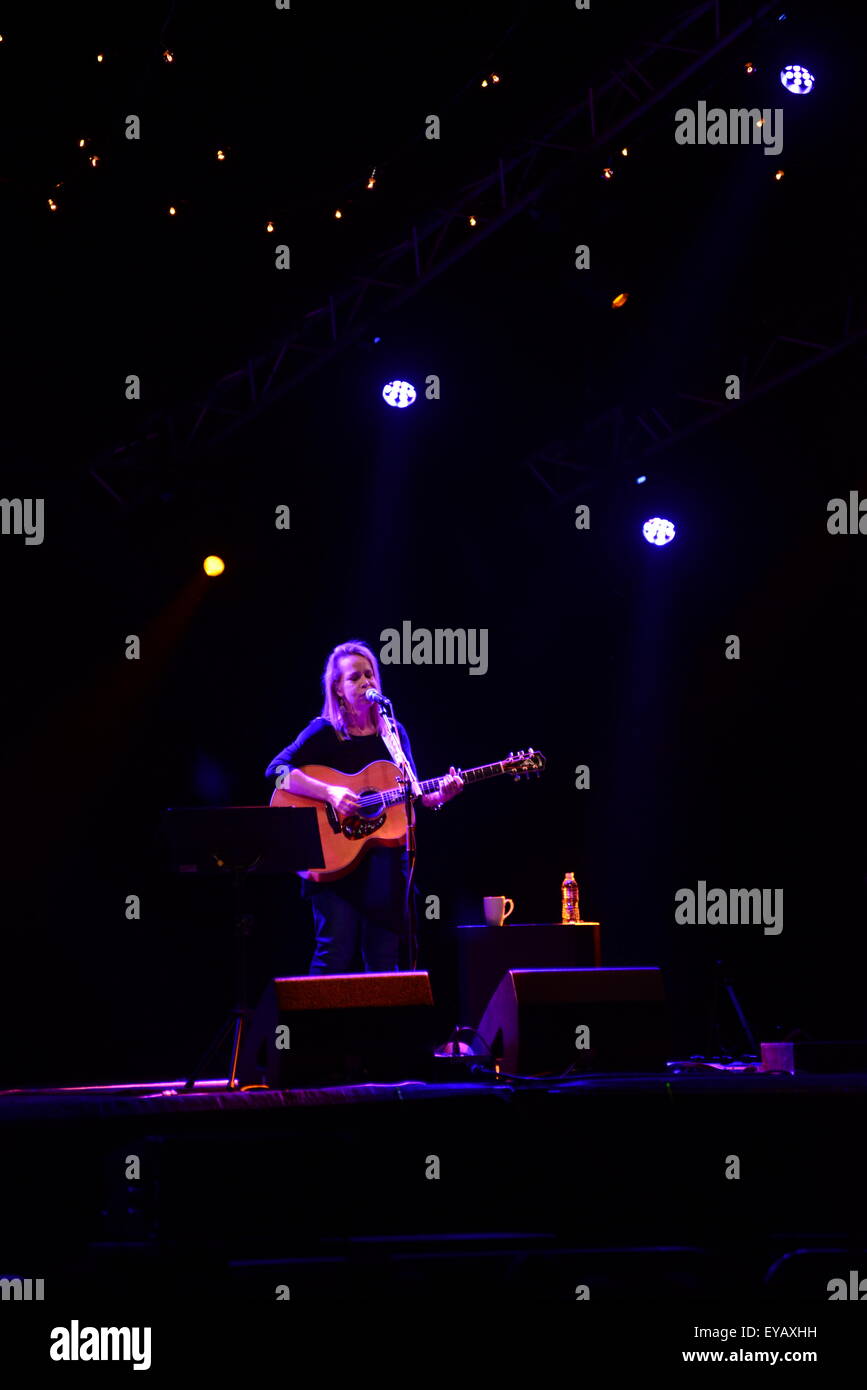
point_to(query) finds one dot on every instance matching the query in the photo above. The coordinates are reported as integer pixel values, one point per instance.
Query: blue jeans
(361, 914)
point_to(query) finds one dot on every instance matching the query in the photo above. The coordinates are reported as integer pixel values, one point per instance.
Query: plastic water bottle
(569, 901)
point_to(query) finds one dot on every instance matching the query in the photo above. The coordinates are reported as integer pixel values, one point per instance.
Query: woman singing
(363, 912)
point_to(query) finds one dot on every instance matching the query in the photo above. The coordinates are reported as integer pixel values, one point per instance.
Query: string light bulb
(781, 173)
(221, 154)
(608, 173)
(625, 151)
(82, 144)
(338, 214)
(94, 160)
(619, 300)
(52, 204)
(168, 55)
(172, 211)
(472, 221)
(372, 180)
(99, 57)
(269, 226)
(749, 67)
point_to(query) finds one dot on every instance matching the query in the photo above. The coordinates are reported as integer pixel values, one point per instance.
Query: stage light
(797, 80)
(658, 531)
(213, 565)
(398, 393)
(642, 478)
(619, 300)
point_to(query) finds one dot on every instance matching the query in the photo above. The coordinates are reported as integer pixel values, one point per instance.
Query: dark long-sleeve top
(319, 744)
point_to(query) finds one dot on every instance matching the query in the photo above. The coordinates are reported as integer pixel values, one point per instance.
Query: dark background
(602, 650)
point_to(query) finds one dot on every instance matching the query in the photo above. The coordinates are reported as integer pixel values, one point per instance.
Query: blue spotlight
(658, 531)
(398, 393)
(797, 79)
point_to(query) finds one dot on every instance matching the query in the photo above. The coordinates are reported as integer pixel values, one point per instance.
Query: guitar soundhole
(358, 826)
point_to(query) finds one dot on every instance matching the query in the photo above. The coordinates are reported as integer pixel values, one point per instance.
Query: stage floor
(686, 1184)
(172, 1097)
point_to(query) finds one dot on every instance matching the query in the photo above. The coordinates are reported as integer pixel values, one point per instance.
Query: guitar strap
(391, 739)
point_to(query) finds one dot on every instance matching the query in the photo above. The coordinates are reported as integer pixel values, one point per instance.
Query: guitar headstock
(522, 764)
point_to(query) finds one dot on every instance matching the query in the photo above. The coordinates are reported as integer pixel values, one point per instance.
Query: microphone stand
(406, 771)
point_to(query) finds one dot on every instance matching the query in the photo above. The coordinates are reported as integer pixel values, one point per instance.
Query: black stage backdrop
(603, 651)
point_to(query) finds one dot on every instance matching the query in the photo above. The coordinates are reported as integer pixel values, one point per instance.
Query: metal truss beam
(620, 441)
(170, 440)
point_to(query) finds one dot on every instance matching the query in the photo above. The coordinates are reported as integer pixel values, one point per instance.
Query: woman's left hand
(450, 787)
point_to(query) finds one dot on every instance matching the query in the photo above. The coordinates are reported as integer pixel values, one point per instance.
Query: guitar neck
(468, 775)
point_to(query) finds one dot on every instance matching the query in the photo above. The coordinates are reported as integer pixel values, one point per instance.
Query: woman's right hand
(344, 801)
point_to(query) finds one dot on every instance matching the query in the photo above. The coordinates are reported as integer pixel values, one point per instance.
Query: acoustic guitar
(381, 816)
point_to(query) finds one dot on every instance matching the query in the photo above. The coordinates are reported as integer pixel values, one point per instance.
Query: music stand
(236, 841)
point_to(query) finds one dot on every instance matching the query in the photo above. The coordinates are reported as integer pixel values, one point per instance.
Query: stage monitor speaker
(333, 1030)
(591, 1020)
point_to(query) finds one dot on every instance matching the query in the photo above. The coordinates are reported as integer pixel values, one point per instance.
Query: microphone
(374, 698)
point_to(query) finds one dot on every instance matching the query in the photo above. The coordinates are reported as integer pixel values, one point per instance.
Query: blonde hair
(332, 707)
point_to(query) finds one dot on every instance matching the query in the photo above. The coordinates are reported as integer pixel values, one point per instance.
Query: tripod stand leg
(745, 1027)
(211, 1050)
(723, 981)
(240, 1024)
(239, 1015)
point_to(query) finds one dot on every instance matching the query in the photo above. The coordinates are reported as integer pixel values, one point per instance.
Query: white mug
(778, 1056)
(496, 911)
